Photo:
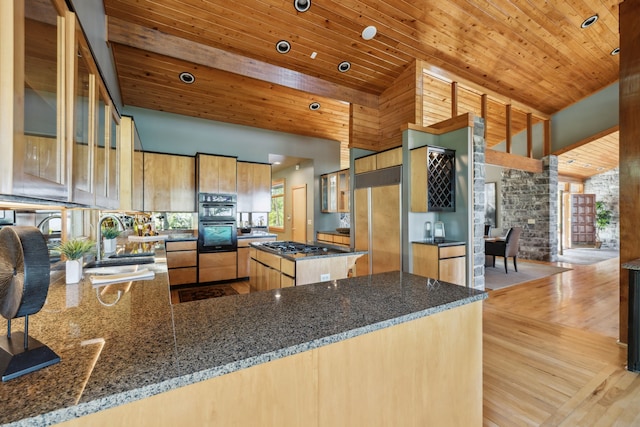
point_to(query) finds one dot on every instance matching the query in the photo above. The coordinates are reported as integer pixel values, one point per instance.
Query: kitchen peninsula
(393, 348)
(281, 264)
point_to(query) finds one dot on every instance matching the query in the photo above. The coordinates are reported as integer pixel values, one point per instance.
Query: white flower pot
(73, 270)
(109, 245)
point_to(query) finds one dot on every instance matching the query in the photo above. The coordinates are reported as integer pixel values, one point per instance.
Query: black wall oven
(217, 227)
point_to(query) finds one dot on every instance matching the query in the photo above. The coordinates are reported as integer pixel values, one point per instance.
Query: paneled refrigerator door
(377, 215)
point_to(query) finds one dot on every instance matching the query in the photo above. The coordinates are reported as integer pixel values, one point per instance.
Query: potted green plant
(109, 235)
(603, 219)
(74, 250)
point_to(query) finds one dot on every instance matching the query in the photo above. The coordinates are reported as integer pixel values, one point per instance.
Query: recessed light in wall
(589, 21)
(302, 5)
(344, 66)
(283, 46)
(369, 32)
(615, 51)
(314, 106)
(187, 78)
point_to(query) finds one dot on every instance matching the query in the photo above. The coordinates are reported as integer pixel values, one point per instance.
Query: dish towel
(122, 277)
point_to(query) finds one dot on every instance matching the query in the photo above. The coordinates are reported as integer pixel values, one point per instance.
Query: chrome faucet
(99, 232)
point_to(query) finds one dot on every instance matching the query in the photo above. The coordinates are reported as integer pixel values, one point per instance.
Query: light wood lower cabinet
(217, 266)
(182, 262)
(244, 253)
(269, 271)
(446, 263)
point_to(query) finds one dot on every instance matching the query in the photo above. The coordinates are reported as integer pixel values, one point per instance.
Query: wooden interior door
(299, 214)
(583, 210)
(566, 221)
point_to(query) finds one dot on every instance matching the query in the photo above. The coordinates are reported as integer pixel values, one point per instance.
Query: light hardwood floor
(551, 356)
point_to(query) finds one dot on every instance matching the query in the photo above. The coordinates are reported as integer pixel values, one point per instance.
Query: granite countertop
(441, 244)
(335, 233)
(180, 235)
(124, 342)
(256, 235)
(632, 265)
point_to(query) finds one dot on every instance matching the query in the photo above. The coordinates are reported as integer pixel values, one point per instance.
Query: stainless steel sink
(127, 260)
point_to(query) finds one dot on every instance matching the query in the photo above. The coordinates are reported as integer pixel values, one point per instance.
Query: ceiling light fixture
(589, 21)
(283, 46)
(369, 32)
(615, 51)
(314, 106)
(302, 5)
(344, 66)
(187, 78)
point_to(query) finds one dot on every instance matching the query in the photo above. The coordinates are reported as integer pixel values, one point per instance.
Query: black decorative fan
(24, 283)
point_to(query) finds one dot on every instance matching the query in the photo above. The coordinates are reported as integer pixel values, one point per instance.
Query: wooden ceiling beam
(129, 34)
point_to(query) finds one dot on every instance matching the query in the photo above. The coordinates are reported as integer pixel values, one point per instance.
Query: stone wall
(530, 201)
(478, 202)
(606, 187)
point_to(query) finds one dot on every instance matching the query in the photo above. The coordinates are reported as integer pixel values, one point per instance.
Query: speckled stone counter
(632, 265)
(440, 244)
(124, 342)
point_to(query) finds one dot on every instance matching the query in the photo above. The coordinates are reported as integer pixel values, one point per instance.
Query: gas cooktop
(289, 247)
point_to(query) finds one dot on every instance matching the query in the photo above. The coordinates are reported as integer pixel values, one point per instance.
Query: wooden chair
(505, 248)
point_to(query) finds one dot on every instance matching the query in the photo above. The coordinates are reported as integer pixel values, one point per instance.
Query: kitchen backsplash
(345, 220)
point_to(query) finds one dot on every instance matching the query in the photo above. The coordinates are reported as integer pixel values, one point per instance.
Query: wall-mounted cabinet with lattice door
(433, 179)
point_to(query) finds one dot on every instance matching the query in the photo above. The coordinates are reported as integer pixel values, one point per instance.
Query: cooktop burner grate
(287, 247)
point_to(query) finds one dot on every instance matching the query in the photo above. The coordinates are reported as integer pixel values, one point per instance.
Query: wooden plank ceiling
(533, 53)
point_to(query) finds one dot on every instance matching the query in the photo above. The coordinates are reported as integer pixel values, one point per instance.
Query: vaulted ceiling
(534, 53)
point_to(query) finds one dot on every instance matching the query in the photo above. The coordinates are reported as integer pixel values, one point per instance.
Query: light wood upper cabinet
(216, 174)
(131, 166)
(164, 191)
(384, 159)
(254, 187)
(335, 192)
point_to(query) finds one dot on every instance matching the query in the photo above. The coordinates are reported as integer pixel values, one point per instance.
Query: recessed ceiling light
(314, 106)
(283, 46)
(615, 51)
(589, 21)
(302, 5)
(369, 32)
(570, 161)
(344, 66)
(187, 78)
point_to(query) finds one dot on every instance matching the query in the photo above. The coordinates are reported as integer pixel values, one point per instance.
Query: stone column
(479, 174)
(530, 201)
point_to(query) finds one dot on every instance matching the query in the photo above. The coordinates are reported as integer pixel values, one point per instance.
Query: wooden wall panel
(398, 106)
(629, 148)
(364, 128)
